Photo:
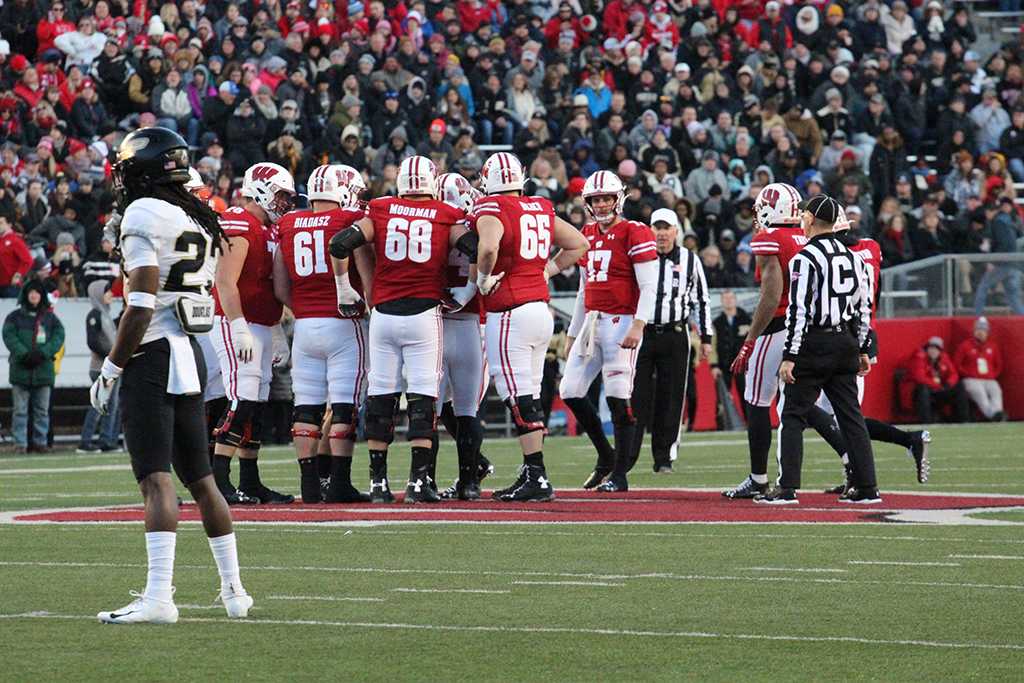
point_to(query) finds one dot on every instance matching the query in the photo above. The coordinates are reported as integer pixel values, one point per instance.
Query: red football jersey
(410, 240)
(523, 250)
(255, 282)
(871, 254)
(608, 266)
(304, 238)
(784, 244)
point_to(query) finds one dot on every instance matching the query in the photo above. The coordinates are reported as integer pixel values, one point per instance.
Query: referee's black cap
(822, 207)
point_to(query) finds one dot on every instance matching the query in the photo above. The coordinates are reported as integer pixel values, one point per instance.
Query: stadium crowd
(696, 105)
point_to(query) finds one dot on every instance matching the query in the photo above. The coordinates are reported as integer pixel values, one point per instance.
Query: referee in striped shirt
(827, 325)
(662, 366)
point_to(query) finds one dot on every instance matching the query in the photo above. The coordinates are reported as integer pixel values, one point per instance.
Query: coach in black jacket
(731, 326)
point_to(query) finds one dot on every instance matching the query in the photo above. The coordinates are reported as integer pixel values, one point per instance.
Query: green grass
(721, 604)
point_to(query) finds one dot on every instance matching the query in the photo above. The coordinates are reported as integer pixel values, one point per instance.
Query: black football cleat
(419, 490)
(380, 492)
(919, 452)
(857, 496)
(748, 488)
(595, 479)
(325, 486)
(520, 480)
(841, 488)
(615, 483)
(483, 468)
(235, 497)
(268, 496)
(778, 496)
(345, 493)
(535, 488)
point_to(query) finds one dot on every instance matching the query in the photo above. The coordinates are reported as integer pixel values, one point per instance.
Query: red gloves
(739, 364)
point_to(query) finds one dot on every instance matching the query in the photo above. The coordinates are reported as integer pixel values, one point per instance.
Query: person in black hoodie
(100, 331)
(111, 72)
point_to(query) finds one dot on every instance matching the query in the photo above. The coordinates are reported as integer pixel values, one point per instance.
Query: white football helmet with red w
(503, 172)
(270, 186)
(326, 183)
(353, 180)
(776, 206)
(417, 176)
(453, 189)
(603, 184)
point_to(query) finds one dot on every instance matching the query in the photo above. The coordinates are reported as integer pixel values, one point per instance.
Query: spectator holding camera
(33, 335)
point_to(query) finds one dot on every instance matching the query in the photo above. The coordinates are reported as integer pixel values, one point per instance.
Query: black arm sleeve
(345, 242)
(467, 244)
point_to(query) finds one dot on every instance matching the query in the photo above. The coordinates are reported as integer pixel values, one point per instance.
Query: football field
(667, 582)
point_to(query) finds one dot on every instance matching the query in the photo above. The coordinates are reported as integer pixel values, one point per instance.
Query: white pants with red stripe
(605, 355)
(409, 344)
(763, 369)
(244, 381)
(329, 361)
(462, 374)
(826, 405)
(214, 381)
(516, 341)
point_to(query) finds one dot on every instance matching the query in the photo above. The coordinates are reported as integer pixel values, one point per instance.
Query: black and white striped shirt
(828, 287)
(682, 289)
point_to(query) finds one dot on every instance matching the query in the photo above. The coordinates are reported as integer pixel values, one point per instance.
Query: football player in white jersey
(170, 241)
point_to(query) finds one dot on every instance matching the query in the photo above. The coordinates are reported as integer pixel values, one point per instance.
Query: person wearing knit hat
(979, 361)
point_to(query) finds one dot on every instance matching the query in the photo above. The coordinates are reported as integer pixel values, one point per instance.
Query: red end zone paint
(587, 507)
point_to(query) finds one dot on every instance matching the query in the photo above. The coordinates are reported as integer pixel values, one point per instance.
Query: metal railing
(952, 284)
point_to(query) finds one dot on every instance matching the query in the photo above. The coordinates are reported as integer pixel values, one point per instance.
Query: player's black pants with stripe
(658, 388)
(828, 361)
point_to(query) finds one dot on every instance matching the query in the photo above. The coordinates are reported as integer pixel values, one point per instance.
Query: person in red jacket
(55, 24)
(15, 259)
(932, 382)
(979, 362)
(564, 20)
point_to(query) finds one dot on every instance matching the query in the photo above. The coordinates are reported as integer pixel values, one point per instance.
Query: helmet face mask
(454, 190)
(777, 206)
(150, 156)
(271, 187)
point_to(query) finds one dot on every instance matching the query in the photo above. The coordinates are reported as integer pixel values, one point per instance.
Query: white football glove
(280, 350)
(458, 297)
(350, 304)
(242, 341)
(487, 283)
(103, 388)
(112, 228)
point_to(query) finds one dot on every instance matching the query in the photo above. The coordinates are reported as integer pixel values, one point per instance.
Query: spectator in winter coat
(83, 46)
(899, 27)
(991, 119)
(1011, 143)
(33, 335)
(88, 115)
(100, 332)
(142, 83)
(55, 24)
(244, 136)
(980, 362)
(888, 159)
(1006, 228)
(964, 180)
(170, 103)
(217, 111)
(15, 260)
(932, 383)
(702, 178)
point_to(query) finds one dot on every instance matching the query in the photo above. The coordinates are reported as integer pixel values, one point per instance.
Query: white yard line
(666, 576)
(568, 583)
(804, 570)
(321, 598)
(905, 564)
(988, 557)
(449, 590)
(530, 630)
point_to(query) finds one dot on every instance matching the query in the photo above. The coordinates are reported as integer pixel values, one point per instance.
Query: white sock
(846, 459)
(225, 554)
(160, 550)
(759, 478)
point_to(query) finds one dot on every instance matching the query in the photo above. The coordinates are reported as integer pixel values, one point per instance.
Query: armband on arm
(467, 245)
(345, 242)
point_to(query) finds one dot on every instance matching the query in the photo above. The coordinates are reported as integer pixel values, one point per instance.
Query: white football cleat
(142, 610)
(236, 601)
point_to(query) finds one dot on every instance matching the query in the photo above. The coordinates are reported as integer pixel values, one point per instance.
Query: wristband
(109, 370)
(141, 300)
(239, 326)
(341, 282)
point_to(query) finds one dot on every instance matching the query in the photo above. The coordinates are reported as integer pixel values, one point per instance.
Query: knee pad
(235, 426)
(343, 422)
(622, 412)
(525, 414)
(422, 418)
(308, 415)
(255, 439)
(380, 417)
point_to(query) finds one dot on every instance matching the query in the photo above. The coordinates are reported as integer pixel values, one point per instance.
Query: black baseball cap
(822, 207)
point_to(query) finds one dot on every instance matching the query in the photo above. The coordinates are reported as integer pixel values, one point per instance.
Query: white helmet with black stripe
(776, 206)
(326, 184)
(503, 172)
(417, 175)
(603, 184)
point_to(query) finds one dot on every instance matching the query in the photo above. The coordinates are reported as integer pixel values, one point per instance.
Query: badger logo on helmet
(503, 172)
(353, 180)
(777, 205)
(453, 189)
(604, 184)
(327, 184)
(417, 176)
(271, 187)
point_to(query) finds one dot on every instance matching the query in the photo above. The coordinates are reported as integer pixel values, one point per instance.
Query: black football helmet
(151, 156)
